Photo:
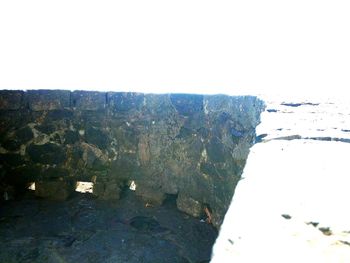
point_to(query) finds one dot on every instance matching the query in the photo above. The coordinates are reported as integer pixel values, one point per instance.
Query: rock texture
(292, 205)
(296, 119)
(85, 229)
(193, 146)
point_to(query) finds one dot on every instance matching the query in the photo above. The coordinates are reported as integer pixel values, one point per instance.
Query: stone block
(10, 99)
(150, 195)
(88, 100)
(57, 115)
(19, 137)
(107, 190)
(187, 104)
(125, 101)
(41, 100)
(97, 137)
(188, 205)
(53, 190)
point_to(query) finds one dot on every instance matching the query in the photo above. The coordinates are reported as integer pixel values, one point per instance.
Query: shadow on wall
(194, 146)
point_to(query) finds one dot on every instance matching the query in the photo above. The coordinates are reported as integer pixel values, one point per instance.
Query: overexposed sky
(235, 47)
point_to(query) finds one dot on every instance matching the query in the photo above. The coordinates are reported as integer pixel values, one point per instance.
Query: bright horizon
(231, 47)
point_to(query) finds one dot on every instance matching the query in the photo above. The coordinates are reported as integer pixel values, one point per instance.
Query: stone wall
(192, 146)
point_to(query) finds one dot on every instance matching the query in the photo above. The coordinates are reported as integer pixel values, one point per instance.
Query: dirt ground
(84, 229)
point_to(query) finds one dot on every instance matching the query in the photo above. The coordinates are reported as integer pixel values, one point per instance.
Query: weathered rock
(189, 205)
(93, 157)
(187, 105)
(11, 159)
(19, 137)
(71, 137)
(54, 190)
(47, 153)
(149, 195)
(107, 191)
(46, 128)
(58, 115)
(11, 100)
(125, 101)
(97, 137)
(85, 100)
(39, 100)
(193, 146)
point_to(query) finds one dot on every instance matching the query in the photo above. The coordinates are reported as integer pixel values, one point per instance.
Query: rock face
(292, 204)
(193, 146)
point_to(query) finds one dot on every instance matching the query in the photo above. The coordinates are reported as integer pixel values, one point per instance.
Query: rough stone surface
(54, 190)
(11, 100)
(85, 100)
(17, 138)
(150, 196)
(190, 145)
(189, 205)
(39, 100)
(85, 229)
(48, 153)
(107, 191)
(292, 205)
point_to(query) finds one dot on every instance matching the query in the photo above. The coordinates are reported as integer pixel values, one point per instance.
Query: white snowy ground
(286, 185)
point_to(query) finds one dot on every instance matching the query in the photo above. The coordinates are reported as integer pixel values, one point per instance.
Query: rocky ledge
(191, 146)
(292, 205)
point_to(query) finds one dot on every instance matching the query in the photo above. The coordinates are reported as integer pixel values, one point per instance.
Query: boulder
(54, 190)
(149, 195)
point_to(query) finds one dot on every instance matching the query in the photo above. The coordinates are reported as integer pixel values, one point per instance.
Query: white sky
(235, 47)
